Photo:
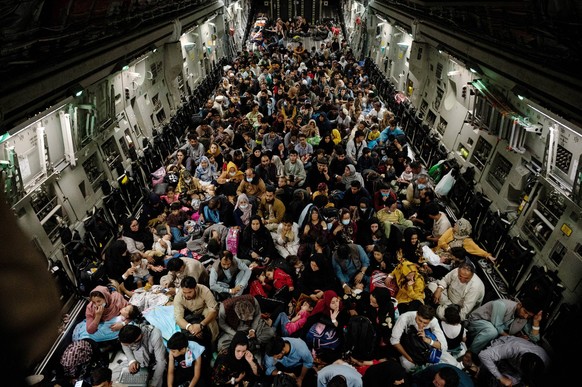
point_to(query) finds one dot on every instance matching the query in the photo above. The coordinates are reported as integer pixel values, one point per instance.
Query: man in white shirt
(440, 223)
(460, 286)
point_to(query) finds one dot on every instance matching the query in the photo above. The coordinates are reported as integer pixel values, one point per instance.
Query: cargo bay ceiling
(41, 38)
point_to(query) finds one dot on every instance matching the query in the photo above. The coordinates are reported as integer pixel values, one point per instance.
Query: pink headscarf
(115, 302)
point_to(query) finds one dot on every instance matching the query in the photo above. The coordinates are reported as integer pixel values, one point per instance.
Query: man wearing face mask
(413, 192)
(382, 196)
(144, 348)
(252, 185)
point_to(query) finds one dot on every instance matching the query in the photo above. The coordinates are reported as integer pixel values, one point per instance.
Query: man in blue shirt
(339, 368)
(288, 355)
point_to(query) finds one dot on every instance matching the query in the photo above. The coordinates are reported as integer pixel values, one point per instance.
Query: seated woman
(236, 364)
(343, 229)
(215, 151)
(101, 315)
(256, 244)
(460, 236)
(410, 295)
(243, 314)
(243, 211)
(373, 236)
(381, 313)
(317, 277)
(230, 178)
(206, 174)
(287, 238)
(323, 330)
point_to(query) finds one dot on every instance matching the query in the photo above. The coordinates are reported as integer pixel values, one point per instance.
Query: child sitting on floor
(287, 326)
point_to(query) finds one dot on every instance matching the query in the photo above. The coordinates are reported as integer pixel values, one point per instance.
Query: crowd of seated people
(270, 248)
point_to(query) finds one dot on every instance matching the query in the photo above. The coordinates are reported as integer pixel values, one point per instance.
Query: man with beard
(195, 311)
(271, 209)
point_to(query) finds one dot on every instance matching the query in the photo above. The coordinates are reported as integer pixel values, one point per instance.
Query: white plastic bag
(444, 186)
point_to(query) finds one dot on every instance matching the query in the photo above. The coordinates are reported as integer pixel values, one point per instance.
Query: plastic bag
(445, 184)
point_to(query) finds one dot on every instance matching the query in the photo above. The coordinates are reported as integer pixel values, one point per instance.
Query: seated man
(350, 263)
(421, 320)
(229, 276)
(501, 318)
(271, 209)
(178, 269)
(288, 355)
(514, 361)
(252, 185)
(144, 347)
(195, 311)
(460, 286)
(243, 314)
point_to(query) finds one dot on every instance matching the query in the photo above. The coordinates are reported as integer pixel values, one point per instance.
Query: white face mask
(345, 222)
(249, 179)
(243, 206)
(232, 173)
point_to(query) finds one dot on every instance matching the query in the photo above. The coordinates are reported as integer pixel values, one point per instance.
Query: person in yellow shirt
(411, 286)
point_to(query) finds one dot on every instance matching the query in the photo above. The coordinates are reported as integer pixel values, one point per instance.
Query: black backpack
(360, 338)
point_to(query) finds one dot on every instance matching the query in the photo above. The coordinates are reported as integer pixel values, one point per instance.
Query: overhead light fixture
(76, 90)
(474, 68)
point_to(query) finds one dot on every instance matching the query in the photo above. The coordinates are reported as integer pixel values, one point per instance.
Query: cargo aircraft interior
(98, 96)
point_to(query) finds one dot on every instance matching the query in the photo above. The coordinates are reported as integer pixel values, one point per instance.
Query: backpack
(417, 349)
(320, 336)
(360, 337)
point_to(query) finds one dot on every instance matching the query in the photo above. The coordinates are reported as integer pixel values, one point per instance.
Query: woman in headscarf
(411, 249)
(236, 363)
(243, 211)
(117, 266)
(205, 172)
(256, 244)
(323, 124)
(214, 150)
(411, 286)
(313, 227)
(317, 277)
(328, 316)
(327, 144)
(229, 179)
(76, 361)
(460, 236)
(254, 158)
(372, 234)
(381, 313)
(100, 315)
(350, 174)
(280, 150)
(309, 129)
(143, 239)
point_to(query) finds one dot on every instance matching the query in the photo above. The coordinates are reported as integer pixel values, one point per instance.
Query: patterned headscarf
(76, 358)
(247, 212)
(464, 229)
